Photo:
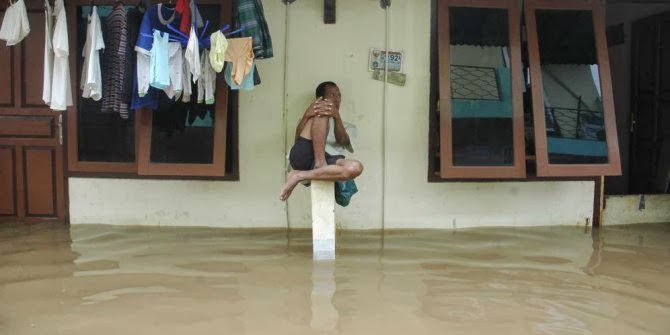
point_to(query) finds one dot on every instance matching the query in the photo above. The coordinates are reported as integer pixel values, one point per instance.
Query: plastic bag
(344, 190)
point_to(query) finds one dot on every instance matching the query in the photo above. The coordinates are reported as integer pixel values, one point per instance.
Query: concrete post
(323, 219)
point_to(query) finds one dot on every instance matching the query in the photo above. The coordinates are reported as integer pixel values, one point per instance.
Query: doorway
(650, 106)
(32, 180)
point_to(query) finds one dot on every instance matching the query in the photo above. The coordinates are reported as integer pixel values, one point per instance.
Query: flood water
(93, 279)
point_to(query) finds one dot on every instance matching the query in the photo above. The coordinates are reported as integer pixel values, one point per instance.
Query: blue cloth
(152, 21)
(149, 100)
(145, 39)
(344, 190)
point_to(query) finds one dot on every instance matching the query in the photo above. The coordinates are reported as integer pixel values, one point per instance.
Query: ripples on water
(92, 279)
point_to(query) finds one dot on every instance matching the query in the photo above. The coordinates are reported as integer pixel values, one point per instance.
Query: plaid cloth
(249, 14)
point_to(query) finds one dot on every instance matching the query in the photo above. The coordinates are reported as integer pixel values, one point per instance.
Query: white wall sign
(377, 60)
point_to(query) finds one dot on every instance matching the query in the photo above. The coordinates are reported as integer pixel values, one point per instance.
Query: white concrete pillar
(323, 219)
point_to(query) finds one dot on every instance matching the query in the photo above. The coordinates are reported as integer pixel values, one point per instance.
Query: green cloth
(344, 190)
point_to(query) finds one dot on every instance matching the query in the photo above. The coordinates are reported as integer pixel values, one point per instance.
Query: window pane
(102, 136)
(481, 96)
(183, 132)
(572, 93)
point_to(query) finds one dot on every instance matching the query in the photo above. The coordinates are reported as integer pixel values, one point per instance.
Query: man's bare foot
(292, 180)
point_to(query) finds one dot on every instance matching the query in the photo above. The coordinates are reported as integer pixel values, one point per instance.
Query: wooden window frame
(143, 167)
(544, 167)
(447, 167)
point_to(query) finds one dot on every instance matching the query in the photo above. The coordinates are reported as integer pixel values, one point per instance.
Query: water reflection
(559, 280)
(324, 314)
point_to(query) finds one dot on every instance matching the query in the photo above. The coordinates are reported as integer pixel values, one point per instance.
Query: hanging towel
(192, 55)
(176, 71)
(61, 91)
(186, 82)
(15, 25)
(240, 53)
(250, 16)
(48, 53)
(207, 81)
(217, 51)
(91, 78)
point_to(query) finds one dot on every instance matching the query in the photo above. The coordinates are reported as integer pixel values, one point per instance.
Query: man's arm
(318, 107)
(341, 135)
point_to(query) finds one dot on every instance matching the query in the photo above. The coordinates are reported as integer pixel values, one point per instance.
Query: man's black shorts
(302, 155)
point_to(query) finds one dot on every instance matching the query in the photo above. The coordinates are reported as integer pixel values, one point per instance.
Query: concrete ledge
(625, 209)
(323, 220)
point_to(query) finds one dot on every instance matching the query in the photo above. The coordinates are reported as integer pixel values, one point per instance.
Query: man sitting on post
(308, 157)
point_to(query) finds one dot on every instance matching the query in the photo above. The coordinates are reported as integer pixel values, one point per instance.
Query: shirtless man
(308, 156)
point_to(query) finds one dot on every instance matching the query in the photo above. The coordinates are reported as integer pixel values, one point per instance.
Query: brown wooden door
(650, 137)
(32, 184)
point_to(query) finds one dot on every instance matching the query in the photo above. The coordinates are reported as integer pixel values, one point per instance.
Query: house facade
(430, 161)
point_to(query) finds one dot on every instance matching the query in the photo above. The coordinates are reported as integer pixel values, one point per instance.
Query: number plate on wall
(377, 60)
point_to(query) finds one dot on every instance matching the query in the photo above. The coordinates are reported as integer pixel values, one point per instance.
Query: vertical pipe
(285, 107)
(383, 134)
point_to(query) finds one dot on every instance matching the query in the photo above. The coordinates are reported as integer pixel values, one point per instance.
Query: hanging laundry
(156, 17)
(91, 78)
(184, 9)
(207, 81)
(186, 82)
(48, 53)
(159, 71)
(240, 53)
(61, 91)
(217, 50)
(196, 18)
(118, 66)
(176, 70)
(247, 82)
(250, 16)
(15, 25)
(192, 56)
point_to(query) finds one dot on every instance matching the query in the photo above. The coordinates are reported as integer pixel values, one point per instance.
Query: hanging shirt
(91, 78)
(192, 56)
(15, 25)
(186, 82)
(156, 17)
(114, 64)
(159, 71)
(249, 14)
(176, 70)
(61, 91)
(48, 53)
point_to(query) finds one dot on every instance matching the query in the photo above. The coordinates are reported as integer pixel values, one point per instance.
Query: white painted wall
(393, 191)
